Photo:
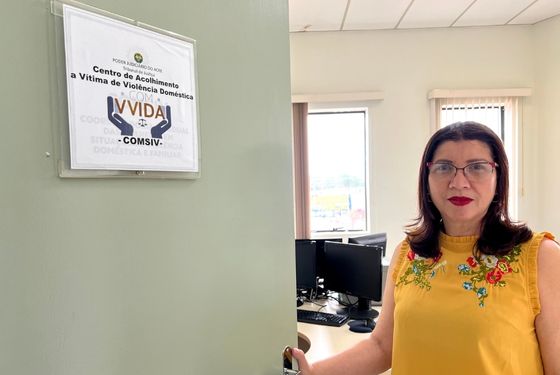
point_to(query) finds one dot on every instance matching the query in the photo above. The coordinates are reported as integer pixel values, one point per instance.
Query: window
(498, 113)
(330, 154)
(490, 114)
(337, 154)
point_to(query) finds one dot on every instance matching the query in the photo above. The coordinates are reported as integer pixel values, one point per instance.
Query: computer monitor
(355, 270)
(306, 264)
(320, 243)
(377, 239)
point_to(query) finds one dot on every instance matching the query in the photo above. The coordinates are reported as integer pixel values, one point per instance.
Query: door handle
(287, 362)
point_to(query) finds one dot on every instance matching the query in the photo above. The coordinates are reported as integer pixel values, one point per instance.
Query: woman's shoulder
(399, 255)
(549, 249)
(548, 264)
(543, 252)
(402, 248)
(537, 239)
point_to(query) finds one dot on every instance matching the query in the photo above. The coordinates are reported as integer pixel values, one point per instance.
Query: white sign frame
(155, 153)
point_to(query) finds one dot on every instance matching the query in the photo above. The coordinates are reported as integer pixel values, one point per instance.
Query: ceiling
(343, 15)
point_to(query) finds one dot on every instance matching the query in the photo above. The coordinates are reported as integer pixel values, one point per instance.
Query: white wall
(547, 52)
(405, 65)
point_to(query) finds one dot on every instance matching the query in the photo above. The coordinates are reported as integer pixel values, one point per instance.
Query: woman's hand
(303, 365)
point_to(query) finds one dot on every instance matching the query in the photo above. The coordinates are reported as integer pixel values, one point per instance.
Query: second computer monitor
(320, 244)
(306, 264)
(354, 270)
(377, 239)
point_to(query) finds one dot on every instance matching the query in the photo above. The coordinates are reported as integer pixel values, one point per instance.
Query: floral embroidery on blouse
(488, 271)
(420, 270)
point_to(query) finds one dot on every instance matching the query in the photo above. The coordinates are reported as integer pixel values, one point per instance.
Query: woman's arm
(370, 356)
(547, 322)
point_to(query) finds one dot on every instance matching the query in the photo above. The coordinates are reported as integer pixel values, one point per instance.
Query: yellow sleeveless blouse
(459, 315)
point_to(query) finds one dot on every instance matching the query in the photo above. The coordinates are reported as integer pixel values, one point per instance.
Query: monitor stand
(362, 326)
(360, 311)
(362, 316)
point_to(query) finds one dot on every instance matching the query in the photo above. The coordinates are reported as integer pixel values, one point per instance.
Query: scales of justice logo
(117, 108)
(121, 110)
(125, 114)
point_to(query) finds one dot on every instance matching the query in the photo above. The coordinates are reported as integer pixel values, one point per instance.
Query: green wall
(131, 276)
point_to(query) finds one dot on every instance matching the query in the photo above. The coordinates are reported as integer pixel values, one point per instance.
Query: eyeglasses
(474, 172)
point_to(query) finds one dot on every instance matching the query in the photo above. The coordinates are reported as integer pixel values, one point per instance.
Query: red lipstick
(460, 201)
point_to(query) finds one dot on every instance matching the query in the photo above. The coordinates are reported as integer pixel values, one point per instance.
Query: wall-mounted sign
(131, 96)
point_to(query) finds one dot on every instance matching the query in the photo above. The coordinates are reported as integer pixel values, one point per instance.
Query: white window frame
(346, 108)
(344, 102)
(511, 99)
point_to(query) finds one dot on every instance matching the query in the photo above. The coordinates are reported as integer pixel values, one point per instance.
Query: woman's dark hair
(498, 234)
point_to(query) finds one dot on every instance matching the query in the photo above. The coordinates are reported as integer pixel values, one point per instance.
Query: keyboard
(322, 318)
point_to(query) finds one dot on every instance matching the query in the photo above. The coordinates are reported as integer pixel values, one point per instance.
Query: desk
(326, 340)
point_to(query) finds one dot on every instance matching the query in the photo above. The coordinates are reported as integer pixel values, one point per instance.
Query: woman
(470, 291)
